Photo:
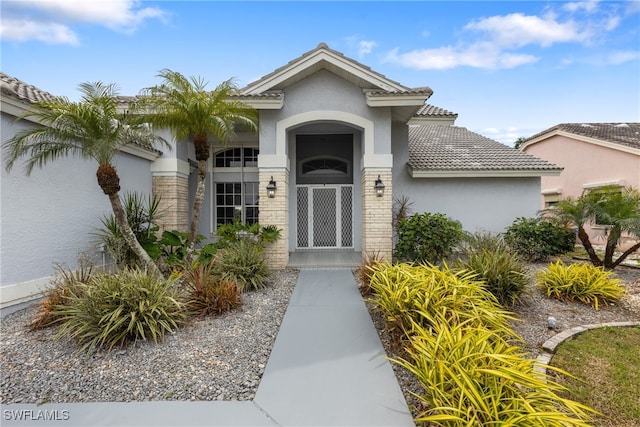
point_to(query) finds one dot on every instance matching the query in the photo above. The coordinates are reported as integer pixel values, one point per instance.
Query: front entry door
(325, 216)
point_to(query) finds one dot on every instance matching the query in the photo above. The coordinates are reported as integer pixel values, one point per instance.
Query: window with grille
(237, 157)
(236, 201)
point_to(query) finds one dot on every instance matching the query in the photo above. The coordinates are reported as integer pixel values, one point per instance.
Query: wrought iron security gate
(325, 216)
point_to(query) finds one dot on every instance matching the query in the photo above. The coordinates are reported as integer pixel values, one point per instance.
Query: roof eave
(309, 59)
(509, 173)
(394, 100)
(589, 140)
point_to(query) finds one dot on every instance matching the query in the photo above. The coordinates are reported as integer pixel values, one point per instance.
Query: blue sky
(508, 69)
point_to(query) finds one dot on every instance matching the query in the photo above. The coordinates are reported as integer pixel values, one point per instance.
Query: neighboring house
(331, 131)
(593, 155)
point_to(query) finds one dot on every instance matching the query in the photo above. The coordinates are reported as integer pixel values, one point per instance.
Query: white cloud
(616, 58)
(52, 20)
(517, 30)
(365, 47)
(577, 6)
(23, 30)
(478, 55)
(499, 42)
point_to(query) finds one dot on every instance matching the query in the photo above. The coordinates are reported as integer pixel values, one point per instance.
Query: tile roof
(428, 110)
(627, 134)
(400, 88)
(454, 148)
(15, 88)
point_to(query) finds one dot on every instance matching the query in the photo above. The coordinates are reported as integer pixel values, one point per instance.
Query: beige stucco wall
(584, 163)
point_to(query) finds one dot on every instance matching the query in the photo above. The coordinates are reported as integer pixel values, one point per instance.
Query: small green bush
(502, 272)
(115, 308)
(580, 282)
(427, 237)
(206, 294)
(481, 241)
(243, 262)
(537, 239)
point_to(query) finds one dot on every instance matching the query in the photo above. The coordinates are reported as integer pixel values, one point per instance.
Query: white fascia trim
(431, 121)
(13, 107)
(588, 140)
(376, 161)
(266, 104)
(24, 291)
(137, 151)
(615, 182)
(170, 166)
(395, 100)
(482, 174)
(318, 56)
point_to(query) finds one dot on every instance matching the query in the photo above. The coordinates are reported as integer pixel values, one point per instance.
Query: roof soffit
(318, 59)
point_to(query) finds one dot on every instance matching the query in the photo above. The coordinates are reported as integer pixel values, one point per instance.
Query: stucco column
(377, 214)
(171, 184)
(275, 211)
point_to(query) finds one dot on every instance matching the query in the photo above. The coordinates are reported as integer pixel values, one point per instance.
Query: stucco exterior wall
(480, 204)
(584, 163)
(48, 218)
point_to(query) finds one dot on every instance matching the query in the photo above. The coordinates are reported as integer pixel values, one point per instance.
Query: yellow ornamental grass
(425, 294)
(580, 282)
(463, 351)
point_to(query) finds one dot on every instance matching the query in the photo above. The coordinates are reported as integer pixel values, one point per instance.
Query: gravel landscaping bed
(213, 358)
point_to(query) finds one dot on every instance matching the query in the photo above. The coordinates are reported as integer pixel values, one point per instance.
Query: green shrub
(63, 284)
(501, 271)
(580, 282)
(243, 262)
(115, 308)
(206, 294)
(427, 237)
(481, 241)
(537, 239)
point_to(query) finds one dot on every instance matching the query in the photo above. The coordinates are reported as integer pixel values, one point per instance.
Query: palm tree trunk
(197, 207)
(612, 241)
(129, 237)
(584, 238)
(625, 254)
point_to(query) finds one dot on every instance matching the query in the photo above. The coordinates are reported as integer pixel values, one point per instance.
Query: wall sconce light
(379, 187)
(271, 189)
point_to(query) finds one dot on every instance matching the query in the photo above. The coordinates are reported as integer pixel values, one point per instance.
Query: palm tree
(92, 128)
(191, 112)
(619, 211)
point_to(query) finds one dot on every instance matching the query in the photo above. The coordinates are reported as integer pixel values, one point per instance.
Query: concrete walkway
(327, 368)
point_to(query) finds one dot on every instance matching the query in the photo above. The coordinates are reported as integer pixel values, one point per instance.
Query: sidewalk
(327, 368)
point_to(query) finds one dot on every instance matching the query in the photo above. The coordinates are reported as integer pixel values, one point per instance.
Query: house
(49, 218)
(337, 142)
(593, 155)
